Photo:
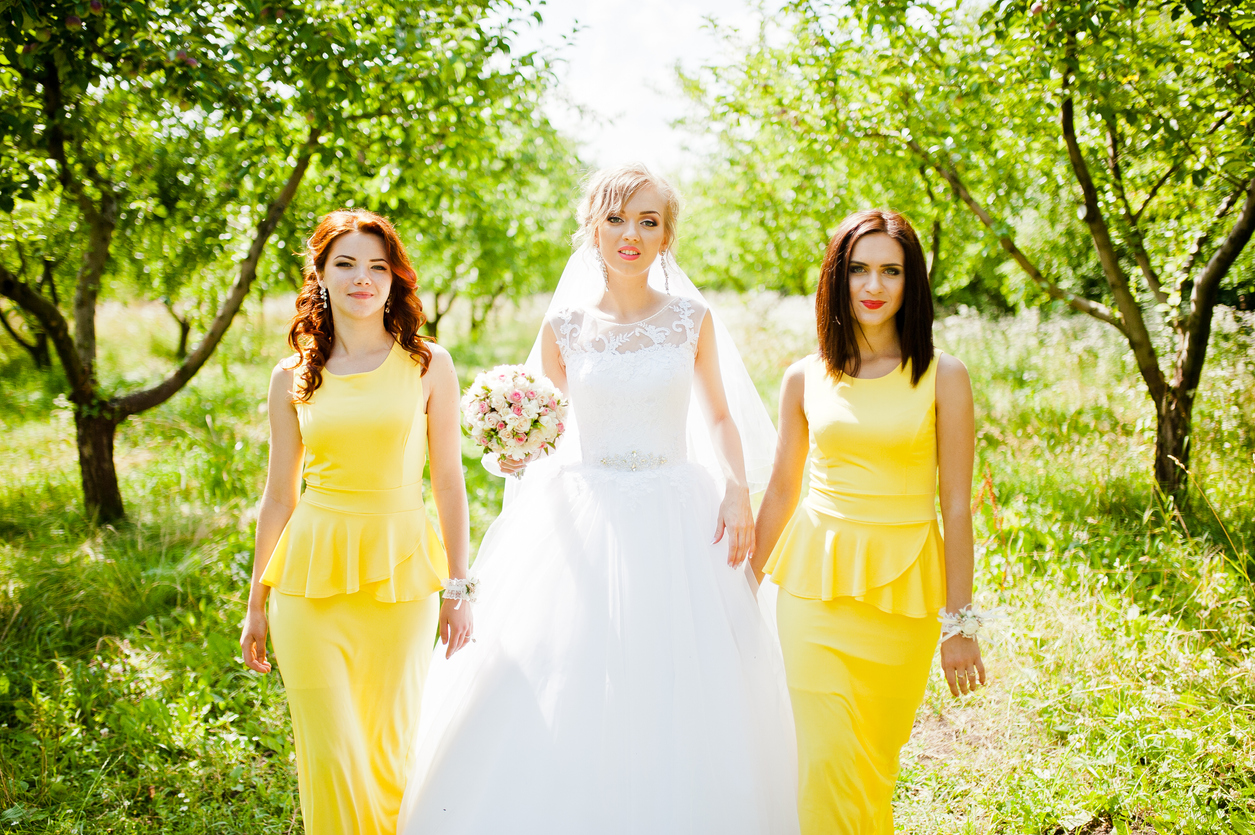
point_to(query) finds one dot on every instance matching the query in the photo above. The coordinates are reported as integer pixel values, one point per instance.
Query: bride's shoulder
(690, 311)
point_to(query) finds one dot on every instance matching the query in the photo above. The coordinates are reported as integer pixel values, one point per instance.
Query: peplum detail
(324, 552)
(896, 568)
(360, 523)
(867, 529)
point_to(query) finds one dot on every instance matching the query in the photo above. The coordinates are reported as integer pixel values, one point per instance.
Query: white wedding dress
(623, 681)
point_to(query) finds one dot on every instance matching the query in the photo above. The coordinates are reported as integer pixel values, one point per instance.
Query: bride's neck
(629, 299)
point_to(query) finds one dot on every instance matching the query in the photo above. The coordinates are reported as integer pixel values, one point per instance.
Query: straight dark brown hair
(834, 309)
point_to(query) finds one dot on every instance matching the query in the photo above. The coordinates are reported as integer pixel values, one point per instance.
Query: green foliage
(153, 150)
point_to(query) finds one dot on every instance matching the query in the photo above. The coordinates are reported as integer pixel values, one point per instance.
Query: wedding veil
(582, 283)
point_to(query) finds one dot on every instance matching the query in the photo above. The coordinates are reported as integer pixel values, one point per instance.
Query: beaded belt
(633, 461)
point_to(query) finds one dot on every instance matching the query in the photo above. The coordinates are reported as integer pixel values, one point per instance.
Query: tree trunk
(101, 494)
(1172, 439)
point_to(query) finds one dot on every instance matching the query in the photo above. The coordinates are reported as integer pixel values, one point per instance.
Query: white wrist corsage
(971, 622)
(460, 588)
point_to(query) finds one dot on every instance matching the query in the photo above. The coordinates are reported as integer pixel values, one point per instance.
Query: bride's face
(629, 240)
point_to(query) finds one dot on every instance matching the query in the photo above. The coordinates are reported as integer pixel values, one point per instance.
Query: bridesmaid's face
(357, 276)
(877, 279)
(631, 239)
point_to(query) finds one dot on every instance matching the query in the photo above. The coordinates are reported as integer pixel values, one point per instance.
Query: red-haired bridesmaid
(860, 562)
(352, 566)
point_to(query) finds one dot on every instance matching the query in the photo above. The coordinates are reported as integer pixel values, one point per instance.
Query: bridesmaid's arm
(785, 486)
(283, 487)
(555, 370)
(735, 514)
(956, 450)
(448, 488)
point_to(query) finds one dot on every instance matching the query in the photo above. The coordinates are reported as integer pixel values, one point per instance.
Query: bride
(623, 680)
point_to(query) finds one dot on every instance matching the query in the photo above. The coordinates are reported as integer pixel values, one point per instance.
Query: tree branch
(1079, 303)
(11, 331)
(1135, 234)
(1130, 312)
(1186, 274)
(1176, 166)
(50, 319)
(1196, 329)
(139, 401)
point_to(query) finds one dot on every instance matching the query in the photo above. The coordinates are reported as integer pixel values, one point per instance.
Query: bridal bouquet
(514, 412)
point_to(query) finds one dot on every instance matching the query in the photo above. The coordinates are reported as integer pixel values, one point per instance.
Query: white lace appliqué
(630, 384)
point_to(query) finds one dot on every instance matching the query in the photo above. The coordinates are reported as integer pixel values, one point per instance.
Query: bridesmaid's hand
(961, 663)
(253, 641)
(456, 626)
(737, 519)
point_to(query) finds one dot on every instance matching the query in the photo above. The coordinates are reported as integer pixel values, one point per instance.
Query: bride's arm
(555, 370)
(735, 515)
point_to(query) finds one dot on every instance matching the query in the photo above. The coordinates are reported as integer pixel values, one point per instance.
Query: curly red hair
(312, 332)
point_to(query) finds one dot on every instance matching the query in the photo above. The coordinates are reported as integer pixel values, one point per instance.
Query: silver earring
(666, 276)
(605, 273)
(326, 298)
(387, 305)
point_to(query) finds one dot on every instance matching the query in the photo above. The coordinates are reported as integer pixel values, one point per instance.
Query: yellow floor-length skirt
(353, 668)
(856, 677)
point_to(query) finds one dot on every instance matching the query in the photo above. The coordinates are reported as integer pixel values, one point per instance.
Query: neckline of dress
(847, 377)
(391, 351)
(592, 312)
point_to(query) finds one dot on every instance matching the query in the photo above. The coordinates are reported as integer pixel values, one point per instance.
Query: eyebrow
(351, 258)
(864, 264)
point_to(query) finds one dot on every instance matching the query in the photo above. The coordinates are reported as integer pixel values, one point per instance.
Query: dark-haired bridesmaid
(860, 562)
(353, 561)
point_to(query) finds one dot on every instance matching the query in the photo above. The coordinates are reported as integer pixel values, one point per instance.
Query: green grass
(1123, 689)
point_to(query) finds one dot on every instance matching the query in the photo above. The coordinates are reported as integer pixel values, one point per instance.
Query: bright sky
(620, 67)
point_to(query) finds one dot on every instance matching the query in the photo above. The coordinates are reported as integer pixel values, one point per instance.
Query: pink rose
(520, 438)
(483, 408)
(544, 410)
(516, 396)
(531, 395)
(561, 428)
(518, 410)
(500, 426)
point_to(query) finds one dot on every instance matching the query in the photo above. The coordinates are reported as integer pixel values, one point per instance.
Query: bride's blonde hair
(606, 191)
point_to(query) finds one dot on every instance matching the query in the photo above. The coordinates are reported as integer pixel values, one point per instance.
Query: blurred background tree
(154, 150)
(1105, 146)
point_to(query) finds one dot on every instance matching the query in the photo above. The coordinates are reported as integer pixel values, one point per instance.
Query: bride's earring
(666, 276)
(387, 305)
(605, 272)
(326, 298)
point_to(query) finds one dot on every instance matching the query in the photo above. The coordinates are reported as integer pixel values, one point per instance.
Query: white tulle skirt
(622, 681)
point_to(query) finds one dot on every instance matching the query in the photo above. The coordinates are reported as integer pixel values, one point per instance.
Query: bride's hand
(736, 518)
(456, 624)
(510, 466)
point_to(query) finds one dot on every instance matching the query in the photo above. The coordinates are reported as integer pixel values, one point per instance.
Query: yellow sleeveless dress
(862, 574)
(354, 606)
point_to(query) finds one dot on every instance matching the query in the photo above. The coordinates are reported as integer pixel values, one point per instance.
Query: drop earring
(666, 276)
(387, 305)
(326, 298)
(605, 272)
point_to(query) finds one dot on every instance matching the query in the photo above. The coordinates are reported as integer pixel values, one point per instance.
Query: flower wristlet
(971, 622)
(459, 588)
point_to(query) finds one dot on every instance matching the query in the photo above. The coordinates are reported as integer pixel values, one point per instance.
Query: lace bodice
(630, 384)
